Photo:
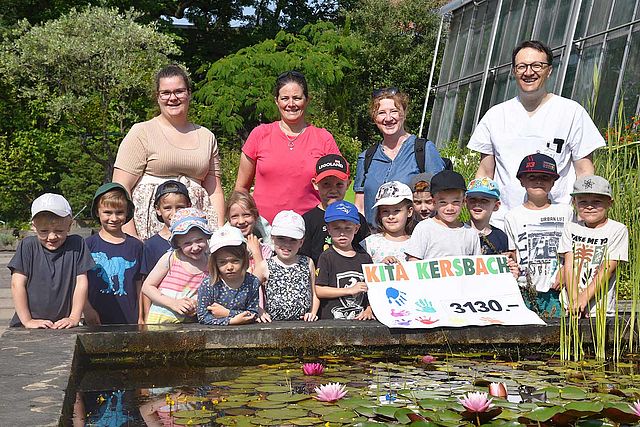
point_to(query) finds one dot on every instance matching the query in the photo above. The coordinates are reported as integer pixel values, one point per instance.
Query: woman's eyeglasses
(388, 91)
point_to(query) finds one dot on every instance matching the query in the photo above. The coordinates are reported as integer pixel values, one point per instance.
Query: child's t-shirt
(339, 271)
(433, 240)
(112, 282)
(494, 243)
(154, 247)
(245, 298)
(591, 247)
(288, 289)
(51, 275)
(379, 248)
(316, 237)
(535, 234)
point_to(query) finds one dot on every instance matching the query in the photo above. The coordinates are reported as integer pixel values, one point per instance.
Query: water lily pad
(191, 421)
(542, 414)
(402, 415)
(264, 421)
(433, 404)
(281, 414)
(573, 393)
(273, 389)
(586, 408)
(265, 404)
(193, 413)
(239, 411)
(340, 416)
(306, 421)
(324, 410)
(354, 402)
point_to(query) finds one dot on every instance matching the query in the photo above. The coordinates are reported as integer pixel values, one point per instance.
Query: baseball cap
(50, 202)
(447, 180)
(592, 184)
(226, 235)
(186, 219)
(332, 165)
(484, 186)
(421, 177)
(288, 224)
(538, 163)
(104, 189)
(170, 186)
(342, 210)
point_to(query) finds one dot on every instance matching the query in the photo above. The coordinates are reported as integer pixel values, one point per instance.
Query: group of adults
(278, 159)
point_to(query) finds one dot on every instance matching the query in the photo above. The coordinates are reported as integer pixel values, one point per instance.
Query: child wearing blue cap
(340, 283)
(483, 198)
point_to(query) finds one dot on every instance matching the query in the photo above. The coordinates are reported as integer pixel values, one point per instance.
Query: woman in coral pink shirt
(281, 156)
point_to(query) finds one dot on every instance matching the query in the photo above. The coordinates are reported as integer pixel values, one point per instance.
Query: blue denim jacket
(402, 168)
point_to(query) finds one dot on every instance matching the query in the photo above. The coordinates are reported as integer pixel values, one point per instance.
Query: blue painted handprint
(394, 295)
(425, 306)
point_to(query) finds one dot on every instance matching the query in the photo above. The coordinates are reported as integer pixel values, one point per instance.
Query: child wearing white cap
(49, 270)
(289, 277)
(393, 220)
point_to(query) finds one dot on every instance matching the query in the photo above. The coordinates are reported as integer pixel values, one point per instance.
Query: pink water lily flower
(476, 401)
(428, 359)
(313, 368)
(330, 392)
(636, 407)
(498, 390)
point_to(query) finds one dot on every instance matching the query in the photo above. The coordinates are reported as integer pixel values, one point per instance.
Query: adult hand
(38, 324)
(367, 314)
(66, 323)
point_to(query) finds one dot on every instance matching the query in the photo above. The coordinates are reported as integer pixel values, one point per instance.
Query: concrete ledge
(38, 366)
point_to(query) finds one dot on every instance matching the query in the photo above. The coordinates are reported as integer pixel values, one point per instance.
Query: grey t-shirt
(51, 275)
(433, 240)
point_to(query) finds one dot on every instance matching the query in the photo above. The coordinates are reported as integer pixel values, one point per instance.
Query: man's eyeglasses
(388, 91)
(179, 93)
(536, 67)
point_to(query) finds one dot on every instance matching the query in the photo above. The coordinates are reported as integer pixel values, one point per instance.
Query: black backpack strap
(418, 148)
(448, 164)
(368, 158)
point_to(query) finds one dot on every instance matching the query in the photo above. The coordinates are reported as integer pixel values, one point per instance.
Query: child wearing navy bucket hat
(172, 286)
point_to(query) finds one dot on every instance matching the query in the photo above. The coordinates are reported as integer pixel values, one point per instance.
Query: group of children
(310, 266)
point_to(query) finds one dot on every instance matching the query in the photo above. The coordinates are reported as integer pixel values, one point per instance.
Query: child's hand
(38, 324)
(242, 318)
(513, 266)
(579, 305)
(309, 317)
(253, 244)
(367, 314)
(66, 323)
(263, 316)
(218, 310)
(390, 260)
(183, 306)
(358, 288)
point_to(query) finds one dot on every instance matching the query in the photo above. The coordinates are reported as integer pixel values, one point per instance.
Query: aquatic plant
(313, 368)
(498, 390)
(426, 359)
(635, 407)
(330, 392)
(476, 401)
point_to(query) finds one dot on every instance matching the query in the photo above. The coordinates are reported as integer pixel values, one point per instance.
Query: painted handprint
(426, 320)
(401, 313)
(394, 295)
(403, 322)
(425, 306)
(492, 321)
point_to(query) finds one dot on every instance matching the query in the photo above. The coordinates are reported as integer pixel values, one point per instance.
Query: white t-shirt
(433, 240)
(591, 247)
(379, 248)
(535, 235)
(560, 128)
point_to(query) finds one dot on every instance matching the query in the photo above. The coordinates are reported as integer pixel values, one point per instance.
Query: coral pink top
(283, 174)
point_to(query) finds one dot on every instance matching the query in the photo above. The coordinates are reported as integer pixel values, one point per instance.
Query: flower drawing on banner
(401, 313)
(426, 320)
(425, 306)
(394, 295)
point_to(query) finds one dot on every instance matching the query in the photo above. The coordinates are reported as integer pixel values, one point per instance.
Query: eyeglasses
(536, 67)
(389, 91)
(179, 93)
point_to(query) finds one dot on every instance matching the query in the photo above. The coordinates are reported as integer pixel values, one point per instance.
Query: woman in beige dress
(167, 147)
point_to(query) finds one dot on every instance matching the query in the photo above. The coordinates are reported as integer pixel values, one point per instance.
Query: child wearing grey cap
(592, 248)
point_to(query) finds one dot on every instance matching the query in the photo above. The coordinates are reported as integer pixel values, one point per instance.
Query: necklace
(291, 138)
(392, 152)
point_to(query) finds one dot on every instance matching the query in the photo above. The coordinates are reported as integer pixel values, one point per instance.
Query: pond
(380, 390)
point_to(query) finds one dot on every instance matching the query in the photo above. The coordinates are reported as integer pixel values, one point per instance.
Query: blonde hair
(237, 251)
(113, 199)
(244, 199)
(400, 100)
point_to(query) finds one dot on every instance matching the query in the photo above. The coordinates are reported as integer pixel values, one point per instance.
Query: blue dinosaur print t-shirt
(112, 283)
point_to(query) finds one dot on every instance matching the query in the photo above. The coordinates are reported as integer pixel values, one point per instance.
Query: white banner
(451, 291)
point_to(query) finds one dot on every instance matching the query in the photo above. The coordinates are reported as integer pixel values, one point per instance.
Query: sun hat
(186, 219)
(332, 165)
(104, 189)
(484, 186)
(288, 224)
(226, 235)
(390, 193)
(341, 210)
(538, 163)
(447, 180)
(592, 184)
(421, 177)
(50, 202)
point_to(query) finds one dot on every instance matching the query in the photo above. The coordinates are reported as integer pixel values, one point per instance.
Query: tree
(88, 73)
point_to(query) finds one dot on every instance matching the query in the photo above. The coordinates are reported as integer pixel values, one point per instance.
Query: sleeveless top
(288, 289)
(177, 284)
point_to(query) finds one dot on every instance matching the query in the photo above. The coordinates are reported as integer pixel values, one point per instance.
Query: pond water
(380, 390)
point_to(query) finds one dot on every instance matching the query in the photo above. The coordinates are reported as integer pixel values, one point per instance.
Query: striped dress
(177, 284)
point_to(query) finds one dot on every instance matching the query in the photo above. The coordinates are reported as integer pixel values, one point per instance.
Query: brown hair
(422, 187)
(400, 100)
(291, 77)
(113, 199)
(173, 70)
(237, 251)
(244, 199)
(411, 220)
